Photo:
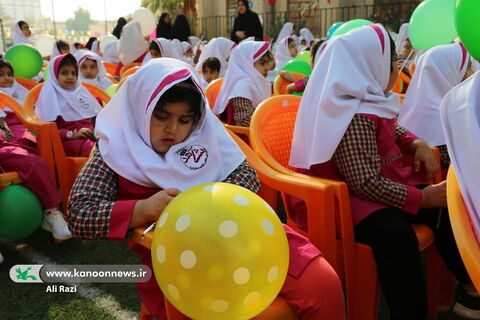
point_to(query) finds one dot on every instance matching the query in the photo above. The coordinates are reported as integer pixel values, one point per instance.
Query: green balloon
(432, 24)
(112, 89)
(304, 56)
(45, 73)
(298, 66)
(25, 59)
(467, 15)
(350, 25)
(20, 212)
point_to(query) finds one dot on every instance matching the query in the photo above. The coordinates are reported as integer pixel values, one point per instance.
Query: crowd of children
(350, 127)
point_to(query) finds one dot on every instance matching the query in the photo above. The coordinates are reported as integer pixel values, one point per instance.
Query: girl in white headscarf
(157, 138)
(132, 47)
(110, 52)
(178, 48)
(245, 84)
(286, 51)
(64, 100)
(288, 29)
(438, 71)
(346, 130)
(459, 112)
(220, 48)
(307, 35)
(22, 33)
(60, 47)
(160, 48)
(92, 69)
(403, 35)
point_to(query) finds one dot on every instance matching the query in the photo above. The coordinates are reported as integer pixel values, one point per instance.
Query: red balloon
(272, 2)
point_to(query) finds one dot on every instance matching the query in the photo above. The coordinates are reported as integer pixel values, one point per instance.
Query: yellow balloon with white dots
(219, 251)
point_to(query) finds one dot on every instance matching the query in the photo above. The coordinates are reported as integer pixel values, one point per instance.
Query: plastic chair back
(280, 84)
(467, 242)
(212, 91)
(128, 66)
(110, 67)
(111, 78)
(130, 71)
(27, 83)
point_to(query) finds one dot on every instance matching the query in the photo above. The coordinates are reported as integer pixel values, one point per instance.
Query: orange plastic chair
(128, 66)
(34, 124)
(67, 168)
(280, 84)
(271, 131)
(8, 178)
(110, 67)
(212, 91)
(111, 78)
(467, 242)
(120, 84)
(130, 71)
(27, 83)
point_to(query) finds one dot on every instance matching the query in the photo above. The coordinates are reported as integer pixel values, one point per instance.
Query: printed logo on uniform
(193, 157)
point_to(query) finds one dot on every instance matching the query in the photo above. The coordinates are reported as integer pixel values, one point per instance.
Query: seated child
(60, 47)
(286, 51)
(92, 69)
(162, 111)
(245, 84)
(8, 85)
(220, 48)
(64, 100)
(349, 133)
(187, 51)
(36, 177)
(210, 70)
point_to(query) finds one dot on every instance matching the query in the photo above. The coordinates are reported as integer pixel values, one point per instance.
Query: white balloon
(106, 40)
(146, 19)
(44, 43)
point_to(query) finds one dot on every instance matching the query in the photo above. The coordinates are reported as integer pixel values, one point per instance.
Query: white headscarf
(16, 91)
(110, 52)
(96, 47)
(286, 31)
(307, 35)
(100, 80)
(19, 37)
(123, 128)
(252, 38)
(178, 48)
(71, 105)
(460, 115)
(166, 50)
(475, 65)
(350, 77)
(320, 51)
(194, 41)
(131, 44)
(282, 55)
(242, 79)
(55, 52)
(220, 48)
(438, 71)
(402, 36)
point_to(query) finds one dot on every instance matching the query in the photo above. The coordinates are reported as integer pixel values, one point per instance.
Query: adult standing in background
(181, 28)
(117, 31)
(22, 33)
(164, 26)
(247, 24)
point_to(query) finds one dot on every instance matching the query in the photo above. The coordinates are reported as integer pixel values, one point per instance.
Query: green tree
(170, 5)
(81, 21)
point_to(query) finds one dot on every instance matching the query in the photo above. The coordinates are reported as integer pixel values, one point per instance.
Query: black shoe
(466, 306)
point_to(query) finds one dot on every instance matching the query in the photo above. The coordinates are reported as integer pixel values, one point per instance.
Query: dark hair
(314, 49)
(181, 28)
(267, 55)
(212, 63)
(117, 31)
(90, 42)
(154, 46)
(290, 40)
(62, 44)
(393, 51)
(5, 63)
(164, 30)
(68, 60)
(183, 91)
(21, 23)
(78, 45)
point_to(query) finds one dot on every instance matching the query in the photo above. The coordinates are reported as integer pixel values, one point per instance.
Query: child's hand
(435, 195)
(149, 209)
(291, 88)
(424, 156)
(287, 76)
(83, 133)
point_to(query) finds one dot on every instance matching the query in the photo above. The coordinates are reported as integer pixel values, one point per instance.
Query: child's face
(26, 30)
(189, 53)
(67, 77)
(406, 48)
(210, 74)
(64, 50)
(292, 47)
(155, 53)
(89, 69)
(393, 77)
(170, 126)
(6, 77)
(263, 65)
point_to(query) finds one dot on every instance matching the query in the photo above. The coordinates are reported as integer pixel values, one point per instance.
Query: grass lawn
(100, 301)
